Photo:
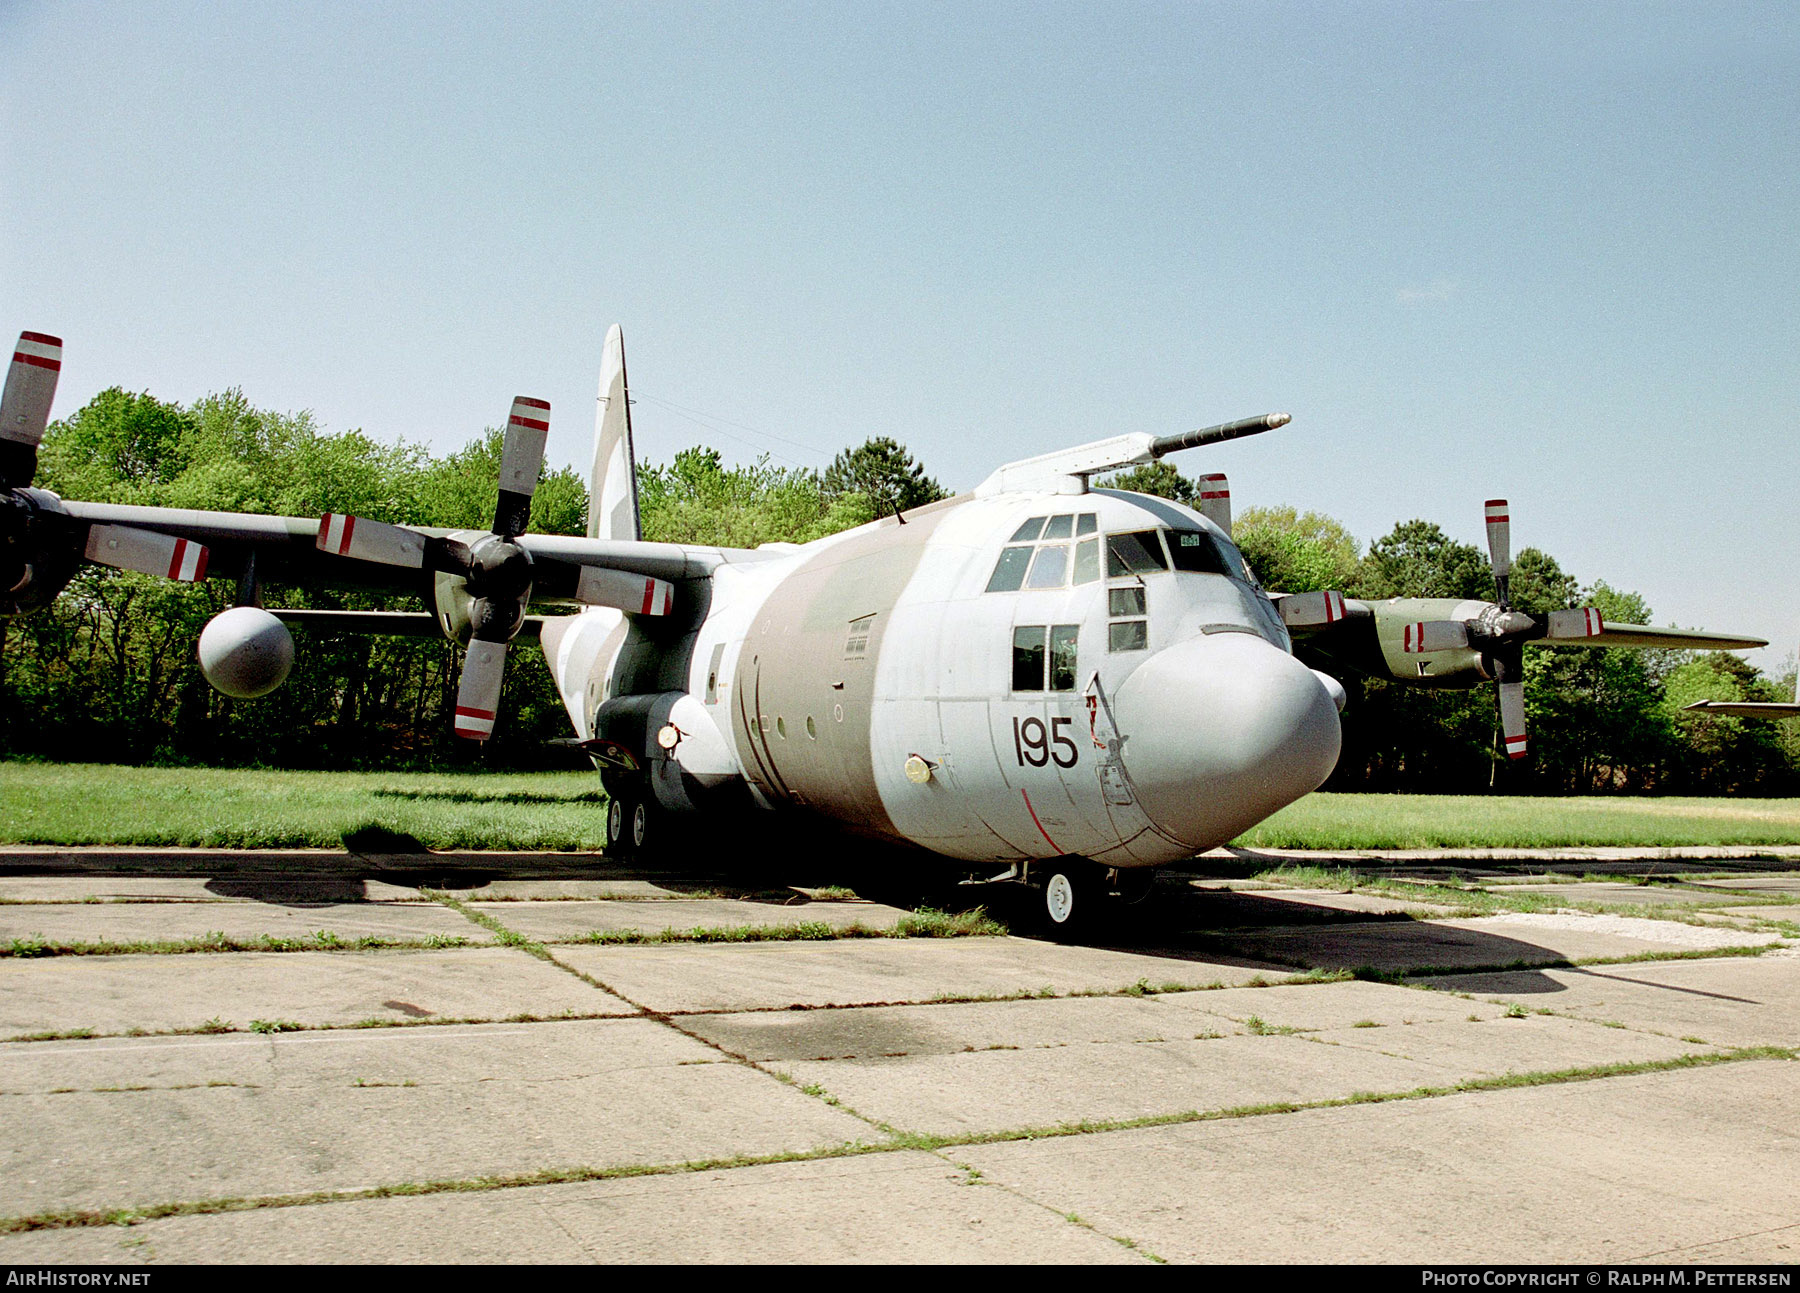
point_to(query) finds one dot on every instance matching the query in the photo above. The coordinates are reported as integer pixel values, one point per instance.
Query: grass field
(45, 803)
(62, 803)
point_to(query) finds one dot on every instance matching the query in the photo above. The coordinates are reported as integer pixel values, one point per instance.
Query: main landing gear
(633, 824)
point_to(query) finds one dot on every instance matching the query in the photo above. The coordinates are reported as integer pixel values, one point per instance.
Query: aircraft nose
(1221, 730)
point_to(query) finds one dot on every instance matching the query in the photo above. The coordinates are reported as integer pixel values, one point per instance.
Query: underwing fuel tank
(1221, 730)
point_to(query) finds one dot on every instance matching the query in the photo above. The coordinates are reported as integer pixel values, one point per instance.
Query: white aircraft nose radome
(1222, 730)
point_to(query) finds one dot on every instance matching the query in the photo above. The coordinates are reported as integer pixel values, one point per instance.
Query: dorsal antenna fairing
(1067, 470)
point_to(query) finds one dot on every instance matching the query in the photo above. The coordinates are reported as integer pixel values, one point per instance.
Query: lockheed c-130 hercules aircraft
(1049, 683)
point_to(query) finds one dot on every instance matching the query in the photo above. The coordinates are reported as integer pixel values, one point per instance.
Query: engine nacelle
(245, 652)
(1396, 625)
(37, 555)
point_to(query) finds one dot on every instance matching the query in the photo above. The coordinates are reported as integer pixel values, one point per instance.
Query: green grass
(1508, 821)
(920, 924)
(77, 804)
(74, 804)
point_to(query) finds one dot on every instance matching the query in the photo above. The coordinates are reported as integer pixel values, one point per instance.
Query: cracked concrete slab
(1484, 941)
(876, 1032)
(1534, 1044)
(62, 924)
(1007, 1090)
(1332, 1005)
(1620, 894)
(296, 890)
(1655, 1166)
(113, 994)
(557, 922)
(905, 1206)
(341, 1110)
(1730, 1002)
(775, 976)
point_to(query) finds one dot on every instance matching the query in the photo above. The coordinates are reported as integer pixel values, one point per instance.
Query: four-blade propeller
(495, 567)
(1500, 633)
(36, 537)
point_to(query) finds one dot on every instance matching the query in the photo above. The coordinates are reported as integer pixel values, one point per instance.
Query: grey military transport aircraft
(1043, 682)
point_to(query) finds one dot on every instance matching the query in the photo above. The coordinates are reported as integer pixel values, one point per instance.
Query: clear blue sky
(1543, 250)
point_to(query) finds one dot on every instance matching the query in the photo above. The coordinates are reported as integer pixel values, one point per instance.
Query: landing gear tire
(1071, 898)
(643, 834)
(621, 825)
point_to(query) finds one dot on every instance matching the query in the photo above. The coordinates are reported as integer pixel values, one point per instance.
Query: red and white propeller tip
(365, 540)
(478, 693)
(1499, 536)
(125, 548)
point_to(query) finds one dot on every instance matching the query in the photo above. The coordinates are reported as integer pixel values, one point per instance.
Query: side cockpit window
(1136, 553)
(1044, 657)
(1202, 553)
(1040, 555)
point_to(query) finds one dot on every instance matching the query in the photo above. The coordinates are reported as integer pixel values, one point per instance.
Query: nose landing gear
(1075, 895)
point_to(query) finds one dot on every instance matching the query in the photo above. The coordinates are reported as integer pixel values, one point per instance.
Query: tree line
(108, 672)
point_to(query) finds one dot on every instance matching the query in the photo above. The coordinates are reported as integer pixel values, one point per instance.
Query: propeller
(1500, 633)
(37, 537)
(495, 567)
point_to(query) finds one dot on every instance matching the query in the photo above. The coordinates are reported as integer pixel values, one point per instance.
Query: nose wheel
(1071, 895)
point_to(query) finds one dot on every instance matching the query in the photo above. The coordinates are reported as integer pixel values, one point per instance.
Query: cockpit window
(1134, 554)
(1049, 567)
(1037, 556)
(1087, 561)
(1202, 553)
(1009, 572)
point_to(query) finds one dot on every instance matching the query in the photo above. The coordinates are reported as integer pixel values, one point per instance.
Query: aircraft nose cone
(1221, 731)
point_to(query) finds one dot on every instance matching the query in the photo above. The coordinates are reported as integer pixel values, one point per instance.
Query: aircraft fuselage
(999, 678)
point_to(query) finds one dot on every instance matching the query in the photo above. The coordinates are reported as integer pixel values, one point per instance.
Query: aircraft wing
(1747, 708)
(286, 549)
(1641, 635)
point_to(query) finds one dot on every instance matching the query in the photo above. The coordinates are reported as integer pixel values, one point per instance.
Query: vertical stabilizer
(612, 489)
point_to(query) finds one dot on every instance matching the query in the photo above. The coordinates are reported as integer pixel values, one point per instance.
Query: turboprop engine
(245, 652)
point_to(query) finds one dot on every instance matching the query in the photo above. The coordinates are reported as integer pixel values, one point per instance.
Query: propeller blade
(1512, 718)
(25, 405)
(1215, 499)
(1434, 635)
(478, 692)
(521, 458)
(639, 594)
(1582, 622)
(1311, 610)
(147, 552)
(1499, 537)
(363, 540)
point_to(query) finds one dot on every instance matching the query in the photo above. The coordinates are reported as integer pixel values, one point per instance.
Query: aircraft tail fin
(612, 489)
